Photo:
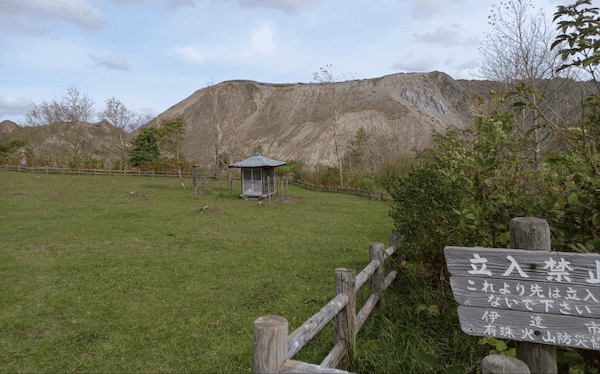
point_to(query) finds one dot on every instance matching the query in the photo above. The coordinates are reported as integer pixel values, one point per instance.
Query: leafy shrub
(292, 168)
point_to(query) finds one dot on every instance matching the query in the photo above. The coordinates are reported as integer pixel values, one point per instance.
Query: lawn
(97, 280)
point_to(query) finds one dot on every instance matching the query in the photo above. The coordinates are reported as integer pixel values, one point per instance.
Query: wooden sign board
(534, 296)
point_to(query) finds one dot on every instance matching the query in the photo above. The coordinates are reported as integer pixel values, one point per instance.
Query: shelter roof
(256, 161)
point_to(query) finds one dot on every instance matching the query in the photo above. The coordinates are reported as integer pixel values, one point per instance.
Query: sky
(152, 54)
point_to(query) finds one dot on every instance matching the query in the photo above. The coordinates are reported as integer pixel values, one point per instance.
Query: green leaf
(471, 216)
(427, 359)
(456, 369)
(572, 199)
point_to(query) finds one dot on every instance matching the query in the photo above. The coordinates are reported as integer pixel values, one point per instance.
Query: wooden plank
(554, 267)
(339, 351)
(293, 366)
(390, 250)
(310, 328)
(527, 296)
(389, 279)
(548, 329)
(361, 317)
(366, 273)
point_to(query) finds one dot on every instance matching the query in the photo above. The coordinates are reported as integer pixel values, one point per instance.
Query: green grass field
(96, 280)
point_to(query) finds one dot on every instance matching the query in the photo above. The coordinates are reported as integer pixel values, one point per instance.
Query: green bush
(292, 168)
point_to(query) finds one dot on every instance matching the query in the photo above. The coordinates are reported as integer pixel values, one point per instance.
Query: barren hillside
(289, 121)
(293, 121)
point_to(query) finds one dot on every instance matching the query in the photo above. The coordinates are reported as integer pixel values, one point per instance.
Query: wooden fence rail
(381, 195)
(80, 171)
(274, 348)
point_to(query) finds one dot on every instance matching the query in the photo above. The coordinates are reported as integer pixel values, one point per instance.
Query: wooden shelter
(258, 174)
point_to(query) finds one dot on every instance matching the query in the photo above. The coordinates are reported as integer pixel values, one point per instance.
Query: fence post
(46, 170)
(381, 195)
(369, 193)
(533, 234)
(79, 171)
(270, 344)
(378, 278)
(344, 321)
(195, 181)
(286, 187)
(19, 168)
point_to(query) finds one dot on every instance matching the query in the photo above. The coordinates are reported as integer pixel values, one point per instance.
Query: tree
(8, 149)
(65, 120)
(172, 134)
(337, 100)
(221, 113)
(519, 49)
(124, 122)
(145, 151)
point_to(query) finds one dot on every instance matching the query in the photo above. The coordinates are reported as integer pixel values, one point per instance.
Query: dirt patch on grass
(287, 200)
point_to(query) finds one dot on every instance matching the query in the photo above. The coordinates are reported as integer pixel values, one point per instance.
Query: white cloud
(14, 107)
(173, 4)
(15, 101)
(111, 62)
(191, 53)
(413, 65)
(290, 6)
(262, 41)
(423, 9)
(257, 45)
(33, 17)
(441, 35)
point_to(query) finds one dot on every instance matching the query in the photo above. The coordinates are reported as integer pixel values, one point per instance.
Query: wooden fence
(365, 193)
(80, 171)
(381, 195)
(274, 348)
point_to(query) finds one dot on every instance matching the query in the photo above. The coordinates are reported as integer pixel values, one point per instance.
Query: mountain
(289, 121)
(292, 121)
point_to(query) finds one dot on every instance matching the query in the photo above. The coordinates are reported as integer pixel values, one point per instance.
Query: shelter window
(247, 175)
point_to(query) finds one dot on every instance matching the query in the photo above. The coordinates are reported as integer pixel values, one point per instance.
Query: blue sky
(153, 54)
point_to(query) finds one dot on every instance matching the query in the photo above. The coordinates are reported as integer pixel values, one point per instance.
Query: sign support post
(533, 234)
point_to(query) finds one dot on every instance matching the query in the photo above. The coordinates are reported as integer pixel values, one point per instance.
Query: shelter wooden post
(344, 320)
(378, 278)
(270, 344)
(533, 234)
(269, 188)
(286, 187)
